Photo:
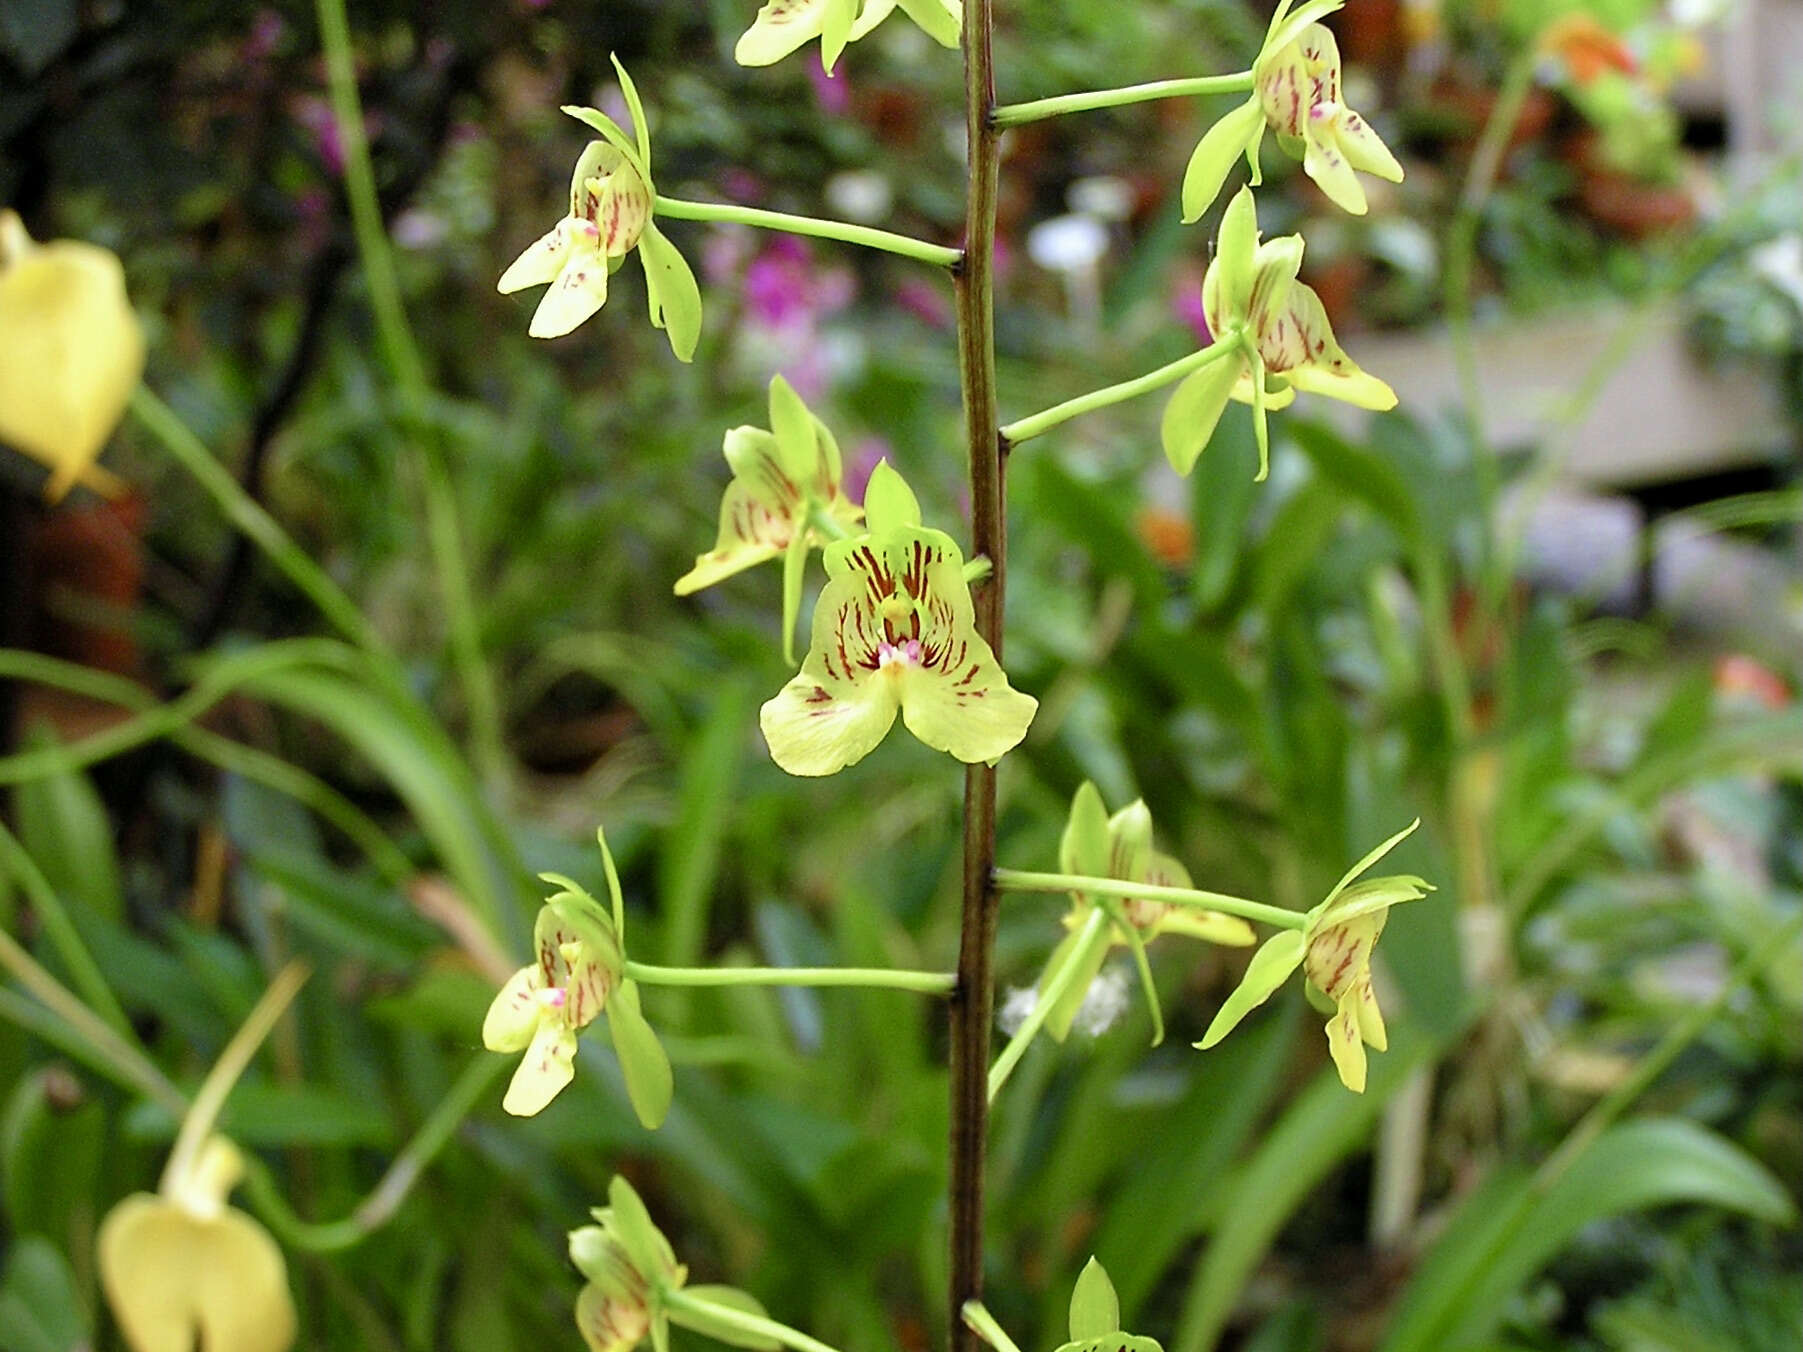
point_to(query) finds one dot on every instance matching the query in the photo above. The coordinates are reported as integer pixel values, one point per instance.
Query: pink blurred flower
(833, 92)
(864, 458)
(1186, 304)
(926, 302)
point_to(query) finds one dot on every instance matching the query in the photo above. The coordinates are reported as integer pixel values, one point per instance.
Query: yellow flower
(782, 26)
(1334, 950)
(611, 206)
(182, 1269)
(71, 353)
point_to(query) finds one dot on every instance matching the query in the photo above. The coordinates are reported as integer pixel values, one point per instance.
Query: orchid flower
(579, 973)
(179, 1267)
(786, 496)
(894, 632)
(611, 205)
(1095, 1317)
(782, 26)
(1096, 845)
(1273, 336)
(632, 1275)
(71, 352)
(1296, 93)
(1334, 950)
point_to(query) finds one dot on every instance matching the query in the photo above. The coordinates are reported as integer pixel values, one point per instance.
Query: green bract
(1273, 336)
(784, 25)
(1096, 845)
(780, 480)
(632, 1272)
(1296, 92)
(579, 973)
(611, 204)
(1334, 950)
(893, 632)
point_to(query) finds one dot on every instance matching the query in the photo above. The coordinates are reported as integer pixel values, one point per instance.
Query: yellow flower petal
(71, 351)
(175, 1282)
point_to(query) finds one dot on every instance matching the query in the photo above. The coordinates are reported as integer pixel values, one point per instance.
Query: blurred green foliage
(1286, 673)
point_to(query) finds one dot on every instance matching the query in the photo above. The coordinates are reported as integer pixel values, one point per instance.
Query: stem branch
(677, 1301)
(1013, 114)
(843, 231)
(928, 983)
(1021, 880)
(1028, 428)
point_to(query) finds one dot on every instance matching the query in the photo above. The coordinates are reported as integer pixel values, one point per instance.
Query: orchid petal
(827, 718)
(1332, 172)
(578, 292)
(548, 1065)
(889, 504)
(1364, 148)
(643, 1062)
(1214, 156)
(1195, 409)
(1270, 967)
(941, 20)
(1083, 848)
(1347, 1049)
(674, 295)
(781, 26)
(539, 263)
(513, 1016)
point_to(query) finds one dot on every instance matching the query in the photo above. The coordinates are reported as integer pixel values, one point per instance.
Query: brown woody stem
(972, 1001)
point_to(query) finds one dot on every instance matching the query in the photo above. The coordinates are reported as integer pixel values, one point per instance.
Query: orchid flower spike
(784, 25)
(1096, 845)
(1296, 93)
(579, 973)
(1279, 338)
(611, 206)
(1334, 950)
(894, 632)
(71, 353)
(786, 497)
(632, 1272)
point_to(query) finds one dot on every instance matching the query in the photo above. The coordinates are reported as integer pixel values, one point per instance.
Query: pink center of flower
(552, 997)
(898, 655)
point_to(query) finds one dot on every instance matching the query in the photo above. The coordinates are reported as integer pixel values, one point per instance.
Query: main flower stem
(972, 1003)
(867, 236)
(1019, 880)
(1013, 114)
(1027, 428)
(1095, 931)
(928, 983)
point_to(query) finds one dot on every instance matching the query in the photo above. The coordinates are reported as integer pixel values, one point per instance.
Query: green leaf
(691, 1316)
(50, 1156)
(1194, 411)
(40, 1306)
(1222, 492)
(1363, 474)
(1318, 1130)
(64, 827)
(649, 1082)
(672, 291)
(1095, 1312)
(689, 861)
(1518, 1222)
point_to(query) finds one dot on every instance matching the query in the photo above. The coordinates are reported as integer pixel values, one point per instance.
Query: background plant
(1341, 585)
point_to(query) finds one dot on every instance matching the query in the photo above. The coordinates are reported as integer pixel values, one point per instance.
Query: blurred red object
(1738, 676)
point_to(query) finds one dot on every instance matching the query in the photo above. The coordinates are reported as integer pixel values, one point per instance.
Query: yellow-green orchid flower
(182, 1268)
(578, 973)
(785, 498)
(1096, 845)
(633, 1281)
(1334, 950)
(612, 201)
(1095, 1317)
(71, 353)
(179, 1267)
(1272, 337)
(782, 26)
(894, 632)
(1296, 93)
